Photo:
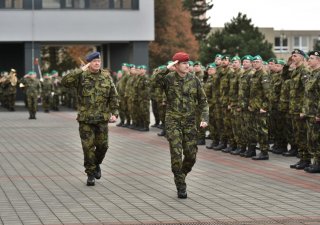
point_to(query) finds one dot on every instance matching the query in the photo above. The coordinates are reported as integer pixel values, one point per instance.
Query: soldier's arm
(72, 78)
(113, 100)
(202, 102)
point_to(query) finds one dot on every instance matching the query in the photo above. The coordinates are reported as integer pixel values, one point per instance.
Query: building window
(281, 44)
(13, 4)
(75, 4)
(51, 4)
(126, 4)
(301, 42)
(99, 4)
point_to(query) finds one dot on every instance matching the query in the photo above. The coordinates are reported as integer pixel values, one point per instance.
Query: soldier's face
(225, 62)
(182, 67)
(278, 67)
(246, 64)
(313, 61)
(197, 68)
(95, 65)
(217, 61)
(236, 64)
(211, 71)
(297, 58)
(257, 64)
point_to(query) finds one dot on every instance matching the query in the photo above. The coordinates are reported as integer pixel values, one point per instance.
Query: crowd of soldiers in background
(47, 90)
(252, 103)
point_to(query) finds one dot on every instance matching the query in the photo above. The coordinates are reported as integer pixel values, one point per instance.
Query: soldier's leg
(304, 154)
(174, 136)
(87, 135)
(101, 142)
(280, 136)
(155, 112)
(313, 138)
(262, 136)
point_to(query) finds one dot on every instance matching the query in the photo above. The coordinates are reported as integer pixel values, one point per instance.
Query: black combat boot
(201, 142)
(292, 152)
(303, 164)
(250, 152)
(212, 145)
(261, 156)
(182, 192)
(162, 133)
(97, 173)
(293, 166)
(220, 147)
(91, 180)
(313, 168)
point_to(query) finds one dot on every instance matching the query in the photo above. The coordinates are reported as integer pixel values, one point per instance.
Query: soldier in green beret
(46, 92)
(98, 104)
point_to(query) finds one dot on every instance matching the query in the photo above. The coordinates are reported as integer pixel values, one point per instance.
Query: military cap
(316, 53)
(247, 57)
(31, 73)
(46, 74)
(120, 71)
(169, 62)
(281, 62)
(54, 72)
(142, 67)
(298, 51)
(92, 56)
(212, 65)
(264, 62)
(218, 56)
(197, 63)
(191, 63)
(132, 65)
(235, 58)
(125, 64)
(274, 60)
(162, 67)
(181, 57)
(225, 57)
(257, 57)
(13, 70)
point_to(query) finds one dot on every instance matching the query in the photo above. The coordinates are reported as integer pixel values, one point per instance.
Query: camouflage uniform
(298, 79)
(46, 90)
(32, 87)
(98, 99)
(144, 102)
(185, 96)
(123, 110)
(311, 109)
(155, 109)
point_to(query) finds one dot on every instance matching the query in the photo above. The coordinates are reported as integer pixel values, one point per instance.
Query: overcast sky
(279, 14)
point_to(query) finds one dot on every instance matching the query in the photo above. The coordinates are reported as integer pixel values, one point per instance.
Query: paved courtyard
(42, 180)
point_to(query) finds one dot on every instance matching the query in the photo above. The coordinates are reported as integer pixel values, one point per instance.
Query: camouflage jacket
(297, 82)
(46, 86)
(32, 86)
(276, 81)
(185, 95)
(234, 87)
(143, 88)
(311, 100)
(224, 75)
(97, 94)
(121, 84)
(244, 89)
(259, 88)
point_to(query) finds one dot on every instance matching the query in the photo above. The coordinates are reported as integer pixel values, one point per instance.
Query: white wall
(79, 25)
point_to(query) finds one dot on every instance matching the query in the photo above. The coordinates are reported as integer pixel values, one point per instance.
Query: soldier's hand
(203, 124)
(85, 67)
(113, 118)
(262, 111)
(172, 64)
(302, 115)
(317, 119)
(41, 79)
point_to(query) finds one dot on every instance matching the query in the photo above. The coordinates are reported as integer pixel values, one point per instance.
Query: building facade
(121, 29)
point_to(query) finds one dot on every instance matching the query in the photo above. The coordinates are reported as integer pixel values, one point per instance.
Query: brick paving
(42, 180)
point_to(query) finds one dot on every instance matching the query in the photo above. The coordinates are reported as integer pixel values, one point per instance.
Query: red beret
(181, 57)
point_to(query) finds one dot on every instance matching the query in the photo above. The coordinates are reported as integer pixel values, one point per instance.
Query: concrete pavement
(42, 180)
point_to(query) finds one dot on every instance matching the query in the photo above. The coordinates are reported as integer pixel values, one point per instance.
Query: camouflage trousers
(299, 127)
(55, 101)
(162, 111)
(201, 131)
(10, 100)
(258, 130)
(313, 138)
(122, 108)
(181, 134)
(94, 140)
(155, 111)
(144, 113)
(277, 127)
(32, 101)
(226, 130)
(46, 101)
(236, 125)
(215, 123)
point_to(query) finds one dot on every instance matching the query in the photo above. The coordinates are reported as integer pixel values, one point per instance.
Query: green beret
(218, 56)
(54, 72)
(257, 57)
(197, 63)
(247, 57)
(169, 62)
(316, 53)
(125, 64)
(132, 65)
(274, 60)
(31, 73)
(226, 57)
(142, 67)
(264, 62)
(281, 62)
(162, 67)
(120, 71)
(212, 65)
(235, 58)
(191, 63)
(46, 74)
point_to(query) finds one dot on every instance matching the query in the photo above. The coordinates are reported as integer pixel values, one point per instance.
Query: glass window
(304, 41)
(76, 4)
(296, 41)
(117, 4)
(277, 41)
(127, 4)
(99, 4)
(51, 4)
(13, 4)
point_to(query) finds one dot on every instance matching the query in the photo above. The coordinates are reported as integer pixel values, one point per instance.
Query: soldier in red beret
(184, 95)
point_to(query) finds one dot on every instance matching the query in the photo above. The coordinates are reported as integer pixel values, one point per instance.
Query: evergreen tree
(239, 37)
(317, 45)
(198, 9)
(172, 33)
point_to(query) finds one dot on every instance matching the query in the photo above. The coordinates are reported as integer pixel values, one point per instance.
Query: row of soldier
(253, 104)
